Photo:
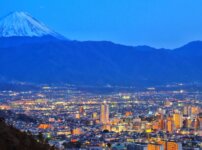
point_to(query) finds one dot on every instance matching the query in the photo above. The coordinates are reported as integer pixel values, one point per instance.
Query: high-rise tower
(104, 113)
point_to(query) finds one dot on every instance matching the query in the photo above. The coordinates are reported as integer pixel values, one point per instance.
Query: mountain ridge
(97, 63)
(49, 59)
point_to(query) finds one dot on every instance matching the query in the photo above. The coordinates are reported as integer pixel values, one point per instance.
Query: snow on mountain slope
(23, 24)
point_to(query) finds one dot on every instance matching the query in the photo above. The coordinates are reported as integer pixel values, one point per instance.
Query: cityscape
(100, 75)
(70, 117)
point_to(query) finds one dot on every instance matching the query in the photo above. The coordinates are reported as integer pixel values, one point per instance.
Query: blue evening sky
(158, 23)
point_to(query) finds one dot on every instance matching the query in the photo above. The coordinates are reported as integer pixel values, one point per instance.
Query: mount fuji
(31, 52)
(22, 24)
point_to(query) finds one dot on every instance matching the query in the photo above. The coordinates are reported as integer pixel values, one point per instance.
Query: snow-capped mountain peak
(23, 24)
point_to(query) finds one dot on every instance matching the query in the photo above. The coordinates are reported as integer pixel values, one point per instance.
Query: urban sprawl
(137, 120)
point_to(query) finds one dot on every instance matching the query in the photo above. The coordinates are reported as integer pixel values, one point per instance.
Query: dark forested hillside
(13, 139)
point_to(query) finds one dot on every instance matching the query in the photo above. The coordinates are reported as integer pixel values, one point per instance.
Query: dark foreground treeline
(13, 139)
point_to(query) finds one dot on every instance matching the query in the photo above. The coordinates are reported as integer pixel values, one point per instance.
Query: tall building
(169, 125)
(189, 123)
(187, 110)
(164, 144)
(174, 146)
(196, 123)
(161, 124)
(167, 145)
(81, 110)
(155, 147)
(104, 113)
(195, 110)
(200, 123)
(177, 118)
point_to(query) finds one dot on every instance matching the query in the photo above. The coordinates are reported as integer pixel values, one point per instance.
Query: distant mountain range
(31, 52)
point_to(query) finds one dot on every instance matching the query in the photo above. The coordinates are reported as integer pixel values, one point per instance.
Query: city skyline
(171, 120)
